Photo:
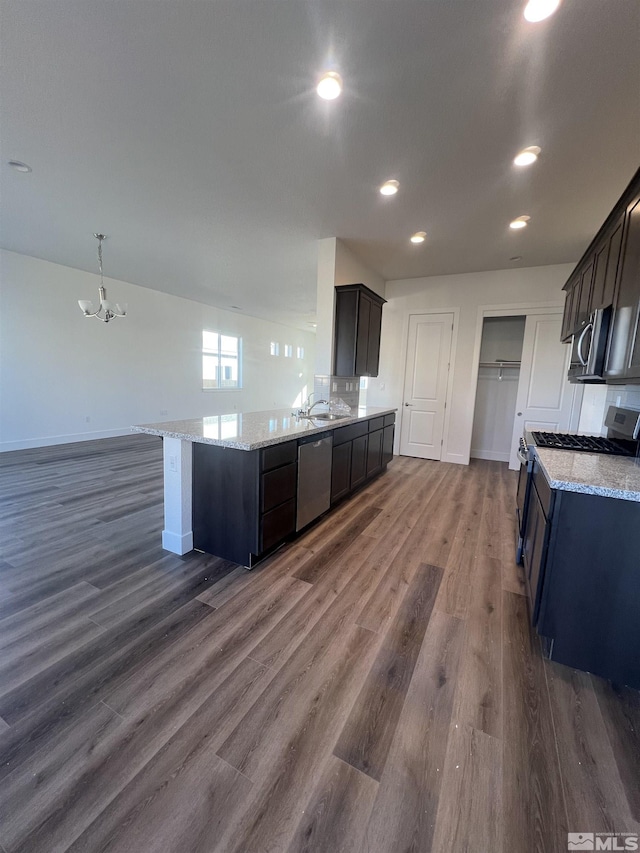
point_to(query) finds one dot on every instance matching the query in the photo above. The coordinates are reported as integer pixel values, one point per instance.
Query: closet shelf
(499, 364)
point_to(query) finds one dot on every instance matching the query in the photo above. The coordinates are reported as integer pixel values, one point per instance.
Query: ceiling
(191, 134)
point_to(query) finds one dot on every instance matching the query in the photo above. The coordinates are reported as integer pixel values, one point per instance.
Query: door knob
(408, 404)
(519, 414)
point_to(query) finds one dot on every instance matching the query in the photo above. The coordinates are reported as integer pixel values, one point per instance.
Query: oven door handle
(522, 456)
(583, 361)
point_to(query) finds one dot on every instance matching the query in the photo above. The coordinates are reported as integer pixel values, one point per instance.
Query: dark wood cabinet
(374, 452)
(623, 358)
(341, 471)
(581, 571)
(243, 501)
(358, 320)
(606, 258)
(571, 302)
(608, 276)
(360, 452)
(359, 461)
(387, 445)
(536, 536)
(584, 300)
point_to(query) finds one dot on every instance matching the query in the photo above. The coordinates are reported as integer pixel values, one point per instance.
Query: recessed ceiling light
(19, 167)
(538, 10)
(519, 222)
(389, 188)
(418, 237)
(330, 85)
(527, 156)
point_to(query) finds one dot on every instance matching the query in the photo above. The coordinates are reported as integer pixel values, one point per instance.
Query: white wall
(336, 265)
(58, 368)
(466, 295)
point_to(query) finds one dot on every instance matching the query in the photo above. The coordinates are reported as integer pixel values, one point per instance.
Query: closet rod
(499, 364)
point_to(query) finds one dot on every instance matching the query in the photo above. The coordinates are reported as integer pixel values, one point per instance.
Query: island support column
(177, 535)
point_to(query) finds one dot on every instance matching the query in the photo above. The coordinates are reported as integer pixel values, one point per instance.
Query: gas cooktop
(588, 443)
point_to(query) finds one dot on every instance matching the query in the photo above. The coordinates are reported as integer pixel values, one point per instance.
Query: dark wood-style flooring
(373, 687)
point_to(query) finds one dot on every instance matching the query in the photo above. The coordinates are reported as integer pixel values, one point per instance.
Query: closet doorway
(497, 389)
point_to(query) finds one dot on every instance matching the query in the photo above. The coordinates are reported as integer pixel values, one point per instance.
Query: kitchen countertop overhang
(253, 430)
(591, 473)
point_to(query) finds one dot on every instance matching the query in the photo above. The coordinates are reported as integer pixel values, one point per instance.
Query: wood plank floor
(373, 687)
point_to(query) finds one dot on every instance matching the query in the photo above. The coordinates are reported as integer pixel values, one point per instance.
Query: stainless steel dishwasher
(314, 478)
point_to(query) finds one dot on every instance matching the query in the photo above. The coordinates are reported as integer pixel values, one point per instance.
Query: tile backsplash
(331, 388)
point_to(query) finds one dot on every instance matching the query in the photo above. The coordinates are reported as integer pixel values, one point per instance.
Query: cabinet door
(534, 551)
(607, 255)
(359, 461)
(362, 337)
(387, 445)
(374, 452)
(568, 317)
(584, 303)
(373, 347)
(623, 361)
(341, 471)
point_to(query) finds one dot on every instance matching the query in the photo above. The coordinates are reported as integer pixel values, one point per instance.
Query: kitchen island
(231, 481)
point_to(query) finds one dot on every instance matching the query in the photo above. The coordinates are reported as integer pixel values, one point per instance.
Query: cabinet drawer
(277, 524)
(389, 420)
(279, 454)
(376, 423)
(278, 486)
(348, 433)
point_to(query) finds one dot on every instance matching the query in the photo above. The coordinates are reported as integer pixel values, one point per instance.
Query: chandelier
(106, 310)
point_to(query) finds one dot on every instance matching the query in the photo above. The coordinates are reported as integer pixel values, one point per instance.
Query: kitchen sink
(327, 416)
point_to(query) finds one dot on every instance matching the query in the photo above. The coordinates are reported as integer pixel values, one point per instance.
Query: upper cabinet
(608, 276)
(623, 360)
(357, 331)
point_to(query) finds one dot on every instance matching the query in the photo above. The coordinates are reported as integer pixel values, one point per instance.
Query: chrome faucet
(306, 412)
(313, 405)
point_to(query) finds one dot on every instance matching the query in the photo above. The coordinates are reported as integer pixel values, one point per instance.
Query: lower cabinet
(374, 452)
(341, 471)
(534, 549)
(245, 502)
(360, 451)
(359, 461)
(581, 567)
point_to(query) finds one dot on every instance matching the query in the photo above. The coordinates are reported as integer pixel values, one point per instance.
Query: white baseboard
(176, 543)
(456, 458)
(49, 441)
(492, 455)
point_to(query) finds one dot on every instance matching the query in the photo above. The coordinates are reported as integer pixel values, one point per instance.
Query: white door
(545, 400)
(425, 385)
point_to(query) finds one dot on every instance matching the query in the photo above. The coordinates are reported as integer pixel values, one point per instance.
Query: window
(220, 360)
(274, 348)
(288, 351)
(300, 352)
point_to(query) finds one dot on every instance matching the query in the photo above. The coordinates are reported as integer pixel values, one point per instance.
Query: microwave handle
(580, 339)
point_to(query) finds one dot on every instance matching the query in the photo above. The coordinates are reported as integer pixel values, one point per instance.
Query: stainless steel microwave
(589, 348)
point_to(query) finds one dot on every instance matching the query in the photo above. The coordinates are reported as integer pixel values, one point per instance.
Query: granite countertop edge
(239, 444)
(606, 483)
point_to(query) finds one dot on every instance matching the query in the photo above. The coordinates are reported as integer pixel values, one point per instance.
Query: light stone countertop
(591, 473)
(252, 430)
